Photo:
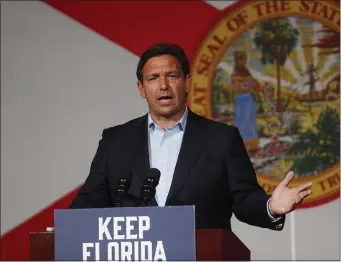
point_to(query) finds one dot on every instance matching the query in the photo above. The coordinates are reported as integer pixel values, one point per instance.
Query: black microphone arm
(122, 190)
(149, 187)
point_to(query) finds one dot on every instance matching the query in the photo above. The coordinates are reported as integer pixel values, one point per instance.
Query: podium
(211, 245)
(134, 233)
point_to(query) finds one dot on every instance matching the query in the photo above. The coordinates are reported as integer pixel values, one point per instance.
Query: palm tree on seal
(276, 39)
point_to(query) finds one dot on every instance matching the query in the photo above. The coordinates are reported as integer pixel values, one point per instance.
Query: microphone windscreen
(155, 174)
(125, 180)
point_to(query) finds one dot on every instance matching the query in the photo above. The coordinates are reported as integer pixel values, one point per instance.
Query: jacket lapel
(140, 158)
(190, 149)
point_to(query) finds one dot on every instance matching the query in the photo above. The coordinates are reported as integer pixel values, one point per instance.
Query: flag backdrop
(78, 59)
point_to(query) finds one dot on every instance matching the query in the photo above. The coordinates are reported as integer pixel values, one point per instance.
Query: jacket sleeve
(248, 197)
(95, 193)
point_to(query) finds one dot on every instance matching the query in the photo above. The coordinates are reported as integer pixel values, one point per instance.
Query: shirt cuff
(273, 219)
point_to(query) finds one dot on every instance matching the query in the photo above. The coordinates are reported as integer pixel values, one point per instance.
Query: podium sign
(135, 234)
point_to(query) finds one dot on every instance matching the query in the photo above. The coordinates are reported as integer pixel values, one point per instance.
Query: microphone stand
(122, 190)
(148, 191)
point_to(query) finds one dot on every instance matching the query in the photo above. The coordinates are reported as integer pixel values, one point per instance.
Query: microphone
(122, 190)
(148, 189)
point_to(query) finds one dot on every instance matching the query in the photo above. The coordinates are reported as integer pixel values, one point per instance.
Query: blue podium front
(129, 233)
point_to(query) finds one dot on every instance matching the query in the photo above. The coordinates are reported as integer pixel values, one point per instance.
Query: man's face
(164, 86)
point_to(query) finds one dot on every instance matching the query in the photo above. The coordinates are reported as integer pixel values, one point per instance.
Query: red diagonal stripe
(15, 243)
(135, 25)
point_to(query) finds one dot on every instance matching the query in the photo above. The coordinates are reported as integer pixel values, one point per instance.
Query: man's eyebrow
(173, 71)
(152, 74)
(168, 72)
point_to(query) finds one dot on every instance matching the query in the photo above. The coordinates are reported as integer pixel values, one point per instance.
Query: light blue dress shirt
(164, 148)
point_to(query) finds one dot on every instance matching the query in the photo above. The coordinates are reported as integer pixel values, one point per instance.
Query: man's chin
(167, 112)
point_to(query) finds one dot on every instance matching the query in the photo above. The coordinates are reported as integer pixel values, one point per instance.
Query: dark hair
(163, 49)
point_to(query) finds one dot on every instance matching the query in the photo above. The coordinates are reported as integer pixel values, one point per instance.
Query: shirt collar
(180, 124)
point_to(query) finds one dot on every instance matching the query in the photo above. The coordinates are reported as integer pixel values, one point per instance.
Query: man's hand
(284, 199)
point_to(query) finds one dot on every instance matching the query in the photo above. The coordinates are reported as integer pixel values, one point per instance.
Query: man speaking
(201, 162)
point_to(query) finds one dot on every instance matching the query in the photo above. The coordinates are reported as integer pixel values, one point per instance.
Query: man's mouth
(165, 98)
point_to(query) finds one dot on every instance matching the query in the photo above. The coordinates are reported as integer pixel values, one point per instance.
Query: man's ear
(188, 83)
(140, 87)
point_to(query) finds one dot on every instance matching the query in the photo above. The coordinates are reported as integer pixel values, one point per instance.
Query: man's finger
(287, 179)
(305, 186)
(304, 194)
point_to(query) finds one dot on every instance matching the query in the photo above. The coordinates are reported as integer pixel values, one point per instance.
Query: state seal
(272, 69)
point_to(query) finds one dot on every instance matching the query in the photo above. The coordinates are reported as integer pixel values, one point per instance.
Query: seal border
(320, 199)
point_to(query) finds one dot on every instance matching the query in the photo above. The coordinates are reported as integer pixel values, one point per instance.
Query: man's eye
(152, 78)
(173, 76)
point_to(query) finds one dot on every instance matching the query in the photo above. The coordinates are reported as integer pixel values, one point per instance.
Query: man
(202, 162)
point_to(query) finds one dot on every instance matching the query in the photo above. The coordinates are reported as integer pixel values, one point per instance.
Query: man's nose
(164, 82)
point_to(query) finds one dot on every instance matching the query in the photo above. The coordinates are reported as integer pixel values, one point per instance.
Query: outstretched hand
(285, 199)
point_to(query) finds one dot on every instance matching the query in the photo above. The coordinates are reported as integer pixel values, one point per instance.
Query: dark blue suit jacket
(213, 172)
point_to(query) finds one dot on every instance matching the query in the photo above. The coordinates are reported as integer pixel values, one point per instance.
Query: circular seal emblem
(272, 69)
